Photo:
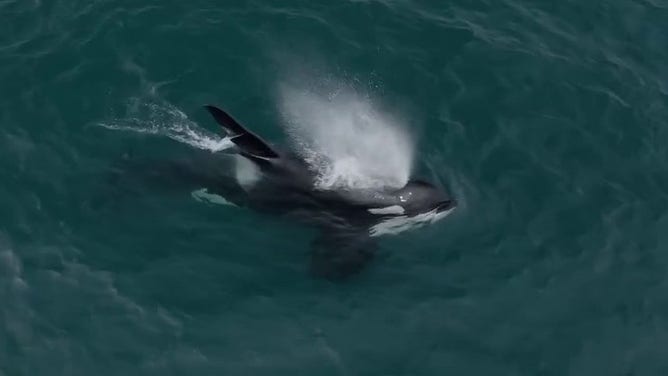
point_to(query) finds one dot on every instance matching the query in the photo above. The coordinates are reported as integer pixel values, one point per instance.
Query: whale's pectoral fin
(250, 145)
(337, 254)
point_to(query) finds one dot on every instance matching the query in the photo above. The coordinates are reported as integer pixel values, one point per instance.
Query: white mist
(346, 139)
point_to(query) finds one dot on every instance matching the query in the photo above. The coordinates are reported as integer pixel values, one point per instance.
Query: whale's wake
(163, 119)
(346, 139)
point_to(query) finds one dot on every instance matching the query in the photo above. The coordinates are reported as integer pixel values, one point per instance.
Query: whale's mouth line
(445, 205)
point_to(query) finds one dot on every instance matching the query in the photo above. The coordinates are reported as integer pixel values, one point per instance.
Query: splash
(346, 139)
(163, 119)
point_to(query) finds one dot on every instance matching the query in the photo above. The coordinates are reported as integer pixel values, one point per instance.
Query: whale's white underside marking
(396, 225)
(203, 195)
(246, 172)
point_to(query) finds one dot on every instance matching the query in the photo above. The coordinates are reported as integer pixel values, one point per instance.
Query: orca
(279, 181)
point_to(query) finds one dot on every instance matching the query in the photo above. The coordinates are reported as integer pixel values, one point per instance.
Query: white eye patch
(394, 209)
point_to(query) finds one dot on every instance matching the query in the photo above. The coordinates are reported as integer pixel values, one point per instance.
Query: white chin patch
(394, 209)
(202, 195)
(396, 225)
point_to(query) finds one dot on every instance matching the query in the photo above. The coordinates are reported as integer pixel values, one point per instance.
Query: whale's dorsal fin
(249, 143)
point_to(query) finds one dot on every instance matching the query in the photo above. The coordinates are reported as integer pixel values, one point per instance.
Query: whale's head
(415, 198)
(416, 204)
(419, 196)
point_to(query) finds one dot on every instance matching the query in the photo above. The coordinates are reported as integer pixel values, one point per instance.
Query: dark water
(548, 120)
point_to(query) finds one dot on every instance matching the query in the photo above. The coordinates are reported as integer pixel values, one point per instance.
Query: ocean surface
(546, 120)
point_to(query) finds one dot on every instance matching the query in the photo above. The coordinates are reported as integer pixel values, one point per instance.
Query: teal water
(548, 121)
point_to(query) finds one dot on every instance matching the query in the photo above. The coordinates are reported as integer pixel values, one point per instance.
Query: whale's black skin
(286, 170)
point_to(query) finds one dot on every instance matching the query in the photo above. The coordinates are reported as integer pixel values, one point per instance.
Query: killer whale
(349, 220)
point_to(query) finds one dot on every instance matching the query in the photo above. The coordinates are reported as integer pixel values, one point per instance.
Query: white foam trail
(166, 120)
(346, 139)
